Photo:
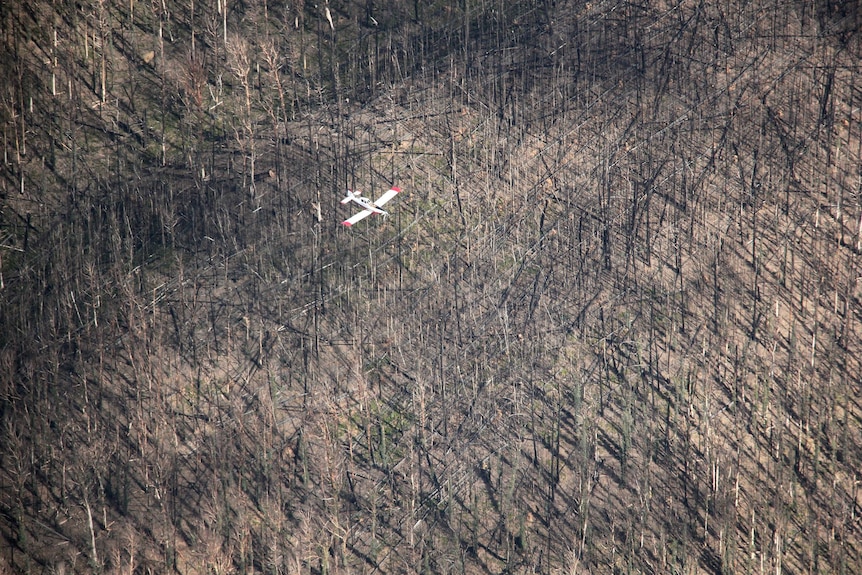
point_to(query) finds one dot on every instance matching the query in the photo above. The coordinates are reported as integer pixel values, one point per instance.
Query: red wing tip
(396, 189)
(346, 223)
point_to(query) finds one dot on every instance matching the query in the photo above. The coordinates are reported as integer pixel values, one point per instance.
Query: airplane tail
(349, 198)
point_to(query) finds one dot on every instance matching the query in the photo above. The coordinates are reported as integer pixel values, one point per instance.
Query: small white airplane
(369, 206)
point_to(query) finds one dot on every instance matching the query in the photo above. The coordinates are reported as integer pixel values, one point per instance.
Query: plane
(369, 206)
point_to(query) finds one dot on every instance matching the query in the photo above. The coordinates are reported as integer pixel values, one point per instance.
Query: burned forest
(612, 324)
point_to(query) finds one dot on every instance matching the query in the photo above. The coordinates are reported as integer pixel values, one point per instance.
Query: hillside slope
(612, 324)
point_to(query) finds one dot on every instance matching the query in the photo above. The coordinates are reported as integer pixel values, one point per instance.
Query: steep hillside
(612, 324)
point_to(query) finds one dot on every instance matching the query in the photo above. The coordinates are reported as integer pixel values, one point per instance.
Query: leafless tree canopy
(612, 324)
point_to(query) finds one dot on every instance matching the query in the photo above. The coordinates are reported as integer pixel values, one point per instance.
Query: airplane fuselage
(364, 202)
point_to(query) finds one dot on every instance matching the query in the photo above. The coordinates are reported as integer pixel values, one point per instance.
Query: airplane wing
(387, 196)
(360, 216)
